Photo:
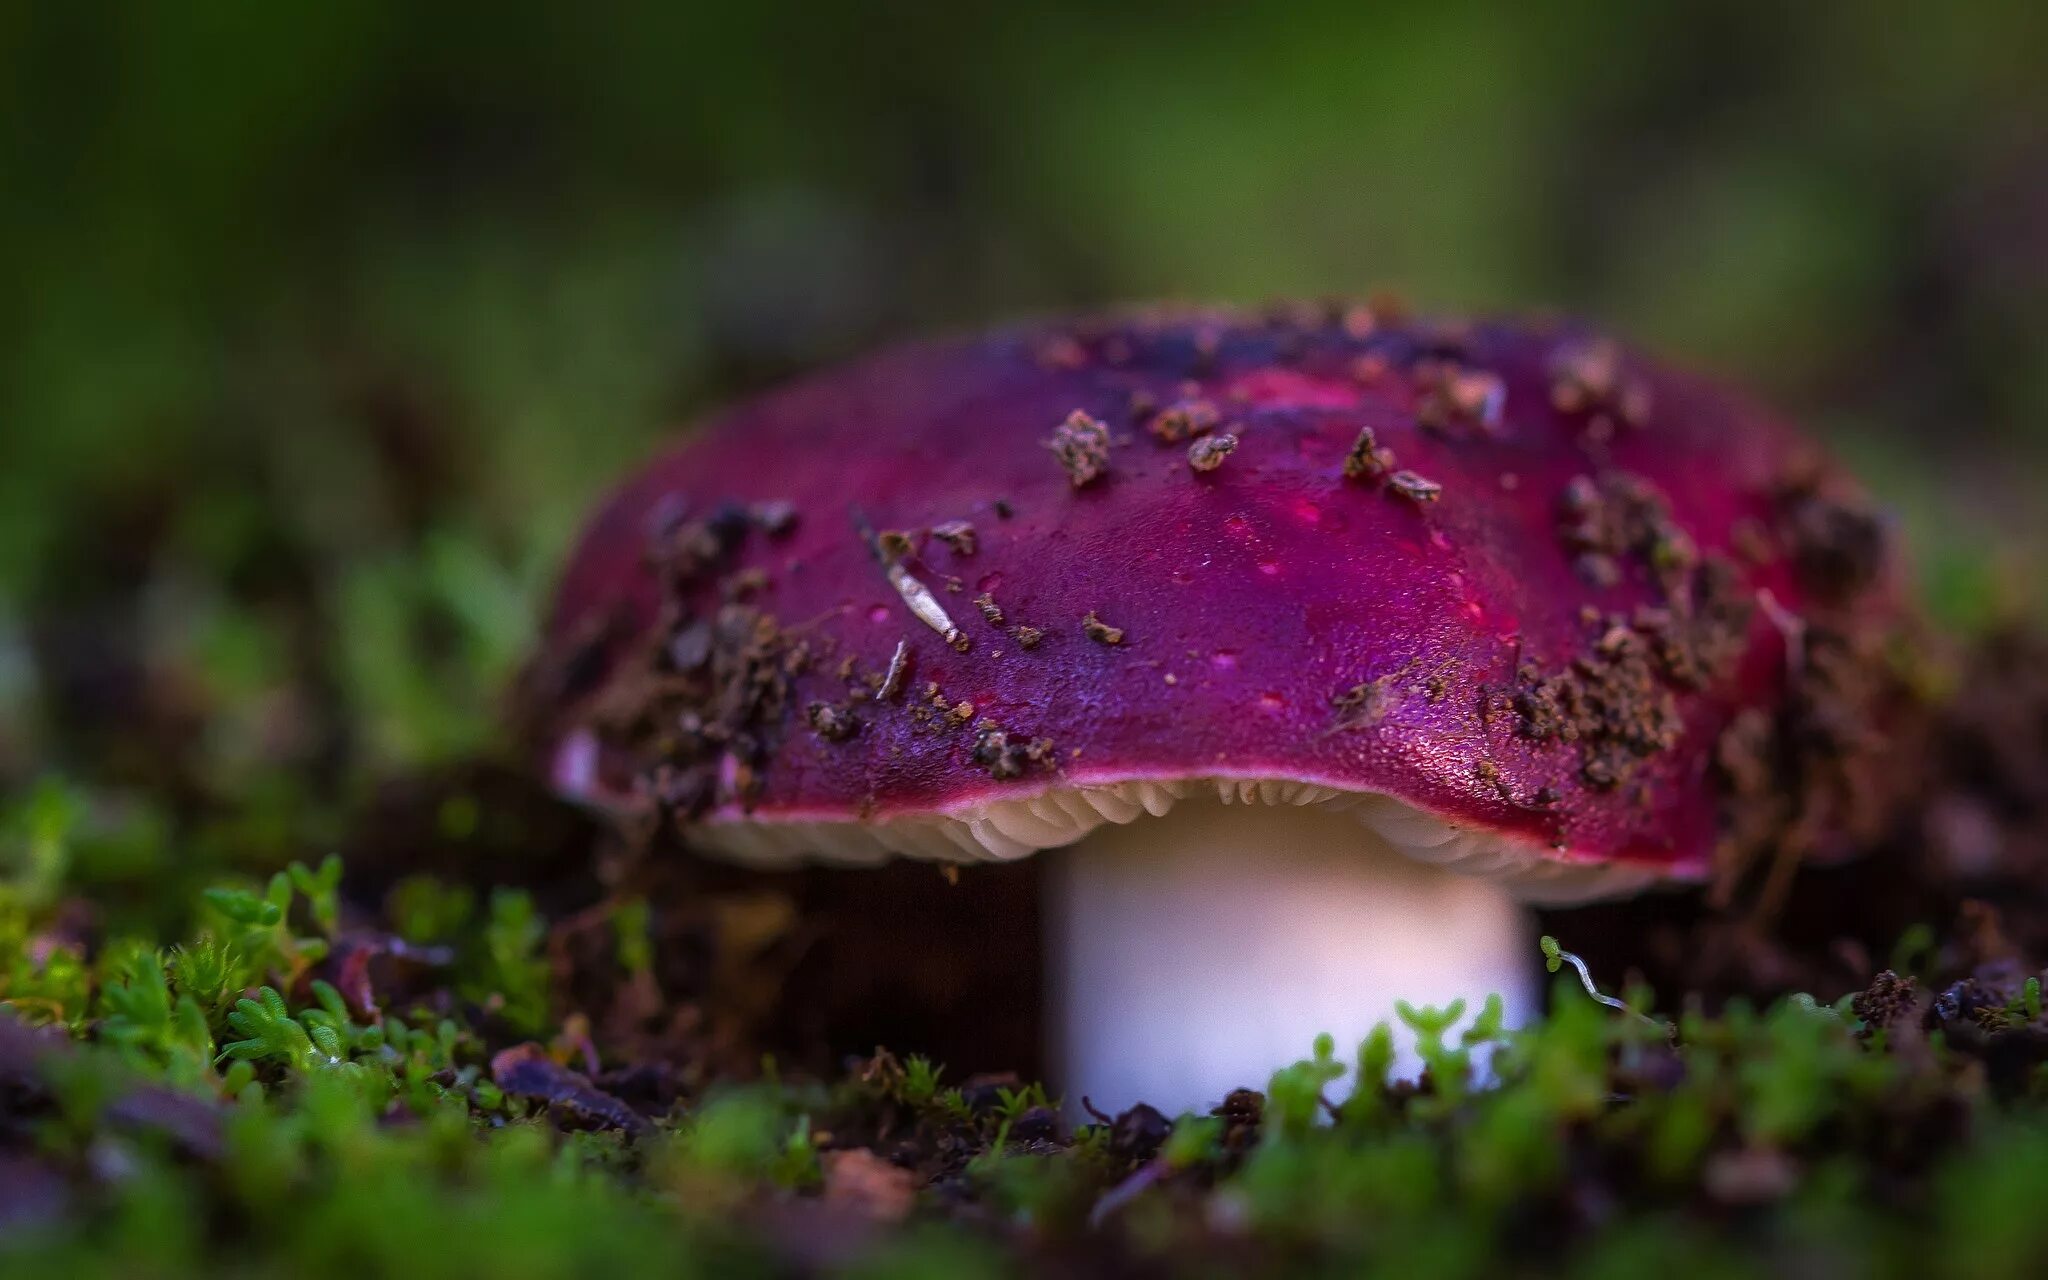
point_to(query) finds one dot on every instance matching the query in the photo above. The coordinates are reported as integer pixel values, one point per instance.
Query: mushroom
(1459, 628)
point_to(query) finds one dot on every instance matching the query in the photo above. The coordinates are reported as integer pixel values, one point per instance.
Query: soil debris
(1208, 453)
(1184, 420)
(1365, 704)
(1838, 544)
(1081, 446)
(831, 721)
(685, 553)
(1612, 707)
(1367, 459)
(1587, 378)
(1097, 630)
(1616, 701)
(1604, 520)
(1007, 757)
(1415, 488)
(1456, 401)
(730, 704)
(776, 519)
(956, 534)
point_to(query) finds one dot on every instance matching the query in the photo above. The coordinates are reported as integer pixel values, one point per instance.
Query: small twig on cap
(899, 673)
(916, 595)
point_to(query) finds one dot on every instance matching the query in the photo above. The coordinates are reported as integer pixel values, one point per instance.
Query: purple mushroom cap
(1514, 576)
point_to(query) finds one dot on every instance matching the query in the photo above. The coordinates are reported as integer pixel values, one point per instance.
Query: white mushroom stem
(1194, 953)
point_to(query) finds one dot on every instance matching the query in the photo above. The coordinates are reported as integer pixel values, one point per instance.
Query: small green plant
(920, 1081)
(1294, 1096)
(1012, 1103)
(36, 835)
(269, 1033)
(1369, 1078)
(1192, 1142)
(506, 972)
(258, 928)
(142, 1017)
(425, 910)
(632, 927)
(208, 972)
(796, 1167)
(321, 888)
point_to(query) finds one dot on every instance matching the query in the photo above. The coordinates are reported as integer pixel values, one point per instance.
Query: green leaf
(268, 1033)
(243, 907)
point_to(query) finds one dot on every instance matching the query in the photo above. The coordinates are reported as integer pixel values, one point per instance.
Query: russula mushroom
(1473, 617)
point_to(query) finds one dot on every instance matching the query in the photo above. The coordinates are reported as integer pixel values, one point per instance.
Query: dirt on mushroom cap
(1611, 588)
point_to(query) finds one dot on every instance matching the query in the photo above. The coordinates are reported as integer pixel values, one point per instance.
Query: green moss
(344, 1142)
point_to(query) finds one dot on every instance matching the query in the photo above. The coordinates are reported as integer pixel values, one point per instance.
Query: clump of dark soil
(1960, 860)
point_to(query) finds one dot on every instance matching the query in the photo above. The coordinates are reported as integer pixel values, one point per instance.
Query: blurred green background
(324, 323)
